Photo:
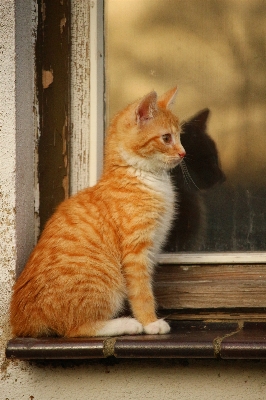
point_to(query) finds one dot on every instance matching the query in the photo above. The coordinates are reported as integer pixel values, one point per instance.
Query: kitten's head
(201, 168)
(146, 135)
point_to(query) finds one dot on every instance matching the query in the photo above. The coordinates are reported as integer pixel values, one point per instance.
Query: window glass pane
(215, 51)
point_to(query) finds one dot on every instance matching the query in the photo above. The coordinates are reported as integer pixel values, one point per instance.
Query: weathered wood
(52, 78)
(80, 95)
(216, 315)
(210, 286)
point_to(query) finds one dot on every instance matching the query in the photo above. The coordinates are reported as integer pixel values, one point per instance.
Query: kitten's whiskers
(186, 175)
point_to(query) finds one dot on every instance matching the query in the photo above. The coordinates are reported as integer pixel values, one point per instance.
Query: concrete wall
(8, 250)
(134, 379)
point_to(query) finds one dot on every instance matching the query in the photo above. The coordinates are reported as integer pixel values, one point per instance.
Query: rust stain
(43, 11)
(217, 342)
(65, 185)
(62, 24)
(47, 78)
(109, 347)
(64, 137)
(65, 182)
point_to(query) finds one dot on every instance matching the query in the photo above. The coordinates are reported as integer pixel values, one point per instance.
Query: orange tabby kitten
(100, 245)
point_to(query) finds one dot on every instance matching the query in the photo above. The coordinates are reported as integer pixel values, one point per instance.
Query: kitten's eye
(167, 138)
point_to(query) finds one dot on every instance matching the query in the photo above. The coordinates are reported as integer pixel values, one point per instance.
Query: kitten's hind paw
(158, 327)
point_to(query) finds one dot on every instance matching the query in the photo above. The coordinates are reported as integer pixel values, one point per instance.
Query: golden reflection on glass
(215, 51)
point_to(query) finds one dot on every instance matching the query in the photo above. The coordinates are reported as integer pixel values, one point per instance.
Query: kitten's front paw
(158, 327)
(132, 326)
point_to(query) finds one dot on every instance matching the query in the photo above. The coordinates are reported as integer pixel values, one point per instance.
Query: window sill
(188, 339)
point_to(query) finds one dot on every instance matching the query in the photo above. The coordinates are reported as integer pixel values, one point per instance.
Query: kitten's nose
(181, 152)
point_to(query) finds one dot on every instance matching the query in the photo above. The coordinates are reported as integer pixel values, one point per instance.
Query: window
(213, 53)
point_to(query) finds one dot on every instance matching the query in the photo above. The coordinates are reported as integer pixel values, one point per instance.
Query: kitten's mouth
(174, 162)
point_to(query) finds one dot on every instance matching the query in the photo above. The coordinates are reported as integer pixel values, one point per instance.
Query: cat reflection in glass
(200, 170)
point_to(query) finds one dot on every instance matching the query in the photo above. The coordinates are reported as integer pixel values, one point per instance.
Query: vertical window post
(87, 93)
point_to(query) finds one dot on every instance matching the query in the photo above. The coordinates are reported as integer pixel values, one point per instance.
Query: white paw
(158, 327)
(132, 326)
(121, 326)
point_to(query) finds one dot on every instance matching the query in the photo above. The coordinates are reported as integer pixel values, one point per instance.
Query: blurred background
(215, 51)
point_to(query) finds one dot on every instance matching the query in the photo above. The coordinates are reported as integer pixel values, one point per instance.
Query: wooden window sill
(188, 339)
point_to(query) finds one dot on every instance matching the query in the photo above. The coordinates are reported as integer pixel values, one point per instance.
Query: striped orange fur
(100, 246)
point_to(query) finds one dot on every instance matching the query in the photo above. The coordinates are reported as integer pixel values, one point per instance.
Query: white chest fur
(161, 185)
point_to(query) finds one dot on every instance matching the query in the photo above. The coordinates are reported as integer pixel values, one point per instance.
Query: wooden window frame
(87, 93)
(192, 282)
(209, 281)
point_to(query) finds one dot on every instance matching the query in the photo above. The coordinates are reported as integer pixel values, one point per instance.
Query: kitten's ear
(167, 99)
(147, 107)
(200, 119)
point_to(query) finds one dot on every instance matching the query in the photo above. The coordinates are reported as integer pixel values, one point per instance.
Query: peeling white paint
(97, 94)
(87, 94)
(80, 95)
